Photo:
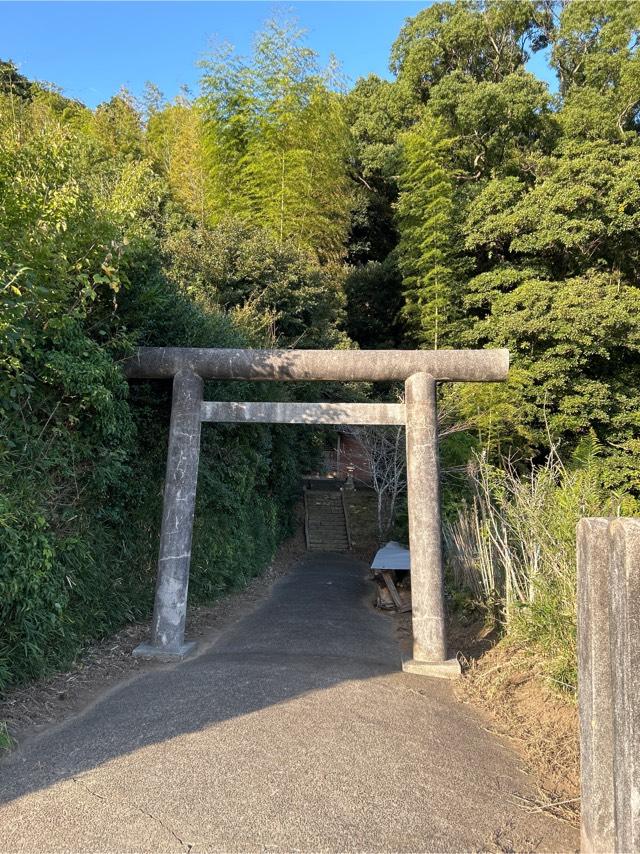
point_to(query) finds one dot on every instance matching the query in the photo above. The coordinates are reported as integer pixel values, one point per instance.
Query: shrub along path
(294, 729)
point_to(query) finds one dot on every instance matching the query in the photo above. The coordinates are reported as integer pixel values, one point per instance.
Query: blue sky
(91, 49)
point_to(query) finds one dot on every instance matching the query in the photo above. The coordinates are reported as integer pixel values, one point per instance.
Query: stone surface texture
(609, 683)
(449, 669)
(172, 584)
(625, 642)
(347, 365)
(425, 527)
(304, 413)
(594, 689)
(293, 730)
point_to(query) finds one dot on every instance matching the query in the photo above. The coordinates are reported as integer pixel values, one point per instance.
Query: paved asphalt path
(295, 730)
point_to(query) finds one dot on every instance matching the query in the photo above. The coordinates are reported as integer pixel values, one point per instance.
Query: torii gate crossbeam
(420, 370)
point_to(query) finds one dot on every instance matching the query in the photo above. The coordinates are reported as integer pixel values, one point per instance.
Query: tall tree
(175, 142)
(378, 111)
(117, 124)
(278, 142)
(595, 52)
(425, 250)
(484, 41)
(554, 239)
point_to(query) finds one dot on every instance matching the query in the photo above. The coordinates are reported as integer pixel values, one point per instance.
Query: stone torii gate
(420, 370)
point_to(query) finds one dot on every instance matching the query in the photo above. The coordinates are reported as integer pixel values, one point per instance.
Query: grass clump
(6, 742)
(511, 548)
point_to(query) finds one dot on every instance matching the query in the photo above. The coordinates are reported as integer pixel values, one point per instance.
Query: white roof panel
(392, 556)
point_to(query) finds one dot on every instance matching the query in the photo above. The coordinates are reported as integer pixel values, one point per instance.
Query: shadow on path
(314, 631)
(295, 730)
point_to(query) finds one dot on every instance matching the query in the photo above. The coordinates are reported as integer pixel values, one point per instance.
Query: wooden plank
(391, 587)
(303, 413)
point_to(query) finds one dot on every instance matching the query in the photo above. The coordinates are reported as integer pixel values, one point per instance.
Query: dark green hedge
(82, 465)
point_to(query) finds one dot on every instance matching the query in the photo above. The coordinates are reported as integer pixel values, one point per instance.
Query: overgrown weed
(512, 548)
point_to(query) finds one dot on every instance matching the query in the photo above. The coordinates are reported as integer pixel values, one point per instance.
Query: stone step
(316, 515)
(326, 502)
(326, 508)
(328, 547)
(326, 522)
(320, 515)
(337, 525)
(327, 532)
(314, 508)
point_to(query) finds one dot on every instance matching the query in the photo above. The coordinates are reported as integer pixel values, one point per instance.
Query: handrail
(346, 518)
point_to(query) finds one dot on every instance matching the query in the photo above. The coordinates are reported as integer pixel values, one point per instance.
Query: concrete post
(624, 609)
(167, 633)
(425, 531)
(609, 683)
(594, 686)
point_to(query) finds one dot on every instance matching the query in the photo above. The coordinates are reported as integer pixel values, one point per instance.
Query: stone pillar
(169, 614)
(624, 609)
(609, 683)
(425, 531)
(594, 686)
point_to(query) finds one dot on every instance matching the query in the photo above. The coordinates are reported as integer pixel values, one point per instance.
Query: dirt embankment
(508, 683)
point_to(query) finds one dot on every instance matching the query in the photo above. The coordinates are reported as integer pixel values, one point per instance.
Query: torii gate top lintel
(321, 365)
(420, 370)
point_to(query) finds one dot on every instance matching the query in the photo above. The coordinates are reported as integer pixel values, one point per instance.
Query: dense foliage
(100, 250)
(518, 210)
(276, 140)
(513, 221)
(461, 203)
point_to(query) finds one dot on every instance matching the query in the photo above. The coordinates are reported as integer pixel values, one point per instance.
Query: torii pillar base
(449, 669)
(150, 650)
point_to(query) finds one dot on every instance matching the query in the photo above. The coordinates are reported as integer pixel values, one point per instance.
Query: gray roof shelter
(392, 556)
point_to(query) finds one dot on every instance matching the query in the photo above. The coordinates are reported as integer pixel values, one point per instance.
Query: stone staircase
(326, 525)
